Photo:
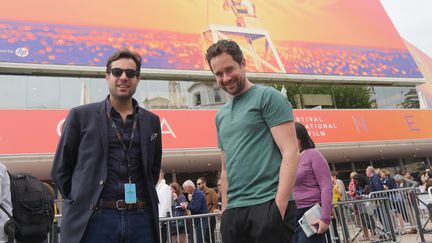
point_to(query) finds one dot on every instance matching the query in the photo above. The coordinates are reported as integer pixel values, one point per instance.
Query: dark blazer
(80, 164)
(198, 204)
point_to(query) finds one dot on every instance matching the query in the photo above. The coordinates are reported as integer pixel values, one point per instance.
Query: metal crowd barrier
(54, 235)
(383, 217)
(193, 228)
(365, 220)
(405, 209)
(402, 205)
(425, 208)
(186, 229)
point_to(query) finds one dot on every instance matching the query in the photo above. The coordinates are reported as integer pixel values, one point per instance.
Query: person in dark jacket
(178, 198)
(389, 183)
(197, 205)
(107, 163)
(375, 183)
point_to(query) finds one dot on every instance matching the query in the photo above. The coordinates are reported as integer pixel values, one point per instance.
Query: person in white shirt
(5, 201)
(164, 194)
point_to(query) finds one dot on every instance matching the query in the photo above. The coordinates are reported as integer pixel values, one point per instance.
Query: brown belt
(121, 205)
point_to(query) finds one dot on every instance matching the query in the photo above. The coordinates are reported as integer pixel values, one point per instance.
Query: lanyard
(120, 138)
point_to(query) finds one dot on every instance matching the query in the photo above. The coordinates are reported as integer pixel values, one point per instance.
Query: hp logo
(22, 52)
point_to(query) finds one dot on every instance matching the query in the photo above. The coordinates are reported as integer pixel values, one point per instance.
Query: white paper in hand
(310, 216)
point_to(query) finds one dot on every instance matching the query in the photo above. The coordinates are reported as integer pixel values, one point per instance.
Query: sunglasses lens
(116, 72)
(130, 73)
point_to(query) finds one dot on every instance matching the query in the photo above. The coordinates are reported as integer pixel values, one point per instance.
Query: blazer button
(101, 182)
(91, 206)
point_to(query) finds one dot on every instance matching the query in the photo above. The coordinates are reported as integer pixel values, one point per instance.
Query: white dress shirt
(164, 195)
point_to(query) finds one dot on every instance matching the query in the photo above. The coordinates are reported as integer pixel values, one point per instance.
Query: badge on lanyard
(130, 193)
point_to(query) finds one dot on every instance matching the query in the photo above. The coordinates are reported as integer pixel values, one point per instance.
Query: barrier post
(390, 222)
(343, 223)
(417, 216)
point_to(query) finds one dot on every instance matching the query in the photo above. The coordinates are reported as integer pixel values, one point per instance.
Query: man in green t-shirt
(259, 147)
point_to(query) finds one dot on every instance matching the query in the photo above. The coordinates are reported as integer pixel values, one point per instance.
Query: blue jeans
(200, 225)
(114, 226)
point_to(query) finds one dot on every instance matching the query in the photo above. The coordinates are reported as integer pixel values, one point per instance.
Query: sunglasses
(118, 72)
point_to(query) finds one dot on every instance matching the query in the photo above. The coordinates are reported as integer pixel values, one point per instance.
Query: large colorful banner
(38, 131)
(326, 37)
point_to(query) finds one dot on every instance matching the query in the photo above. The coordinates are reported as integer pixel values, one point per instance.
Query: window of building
(414, 165)
(217, 95)
(307, 96)
(41, 92)
(360, 166)
(395, 97)
(197, 98)
(392, 165)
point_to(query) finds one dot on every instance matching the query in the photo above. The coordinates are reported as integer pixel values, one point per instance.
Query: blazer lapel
(103, 128)
(145, 130)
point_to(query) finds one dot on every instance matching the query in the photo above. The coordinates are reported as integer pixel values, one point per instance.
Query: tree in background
(344, 97)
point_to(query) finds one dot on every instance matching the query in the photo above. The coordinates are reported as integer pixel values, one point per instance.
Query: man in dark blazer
(107, 163)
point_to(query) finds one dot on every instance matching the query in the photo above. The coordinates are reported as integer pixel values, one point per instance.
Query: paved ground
(408, 238)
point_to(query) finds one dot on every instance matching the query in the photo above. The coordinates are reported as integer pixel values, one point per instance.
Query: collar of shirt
(111, 109)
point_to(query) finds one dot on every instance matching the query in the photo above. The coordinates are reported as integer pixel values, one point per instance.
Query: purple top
(313, 183)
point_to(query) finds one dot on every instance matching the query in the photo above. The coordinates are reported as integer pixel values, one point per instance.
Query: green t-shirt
(252, 157)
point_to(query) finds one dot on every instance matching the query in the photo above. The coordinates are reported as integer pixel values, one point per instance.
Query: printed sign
(326, 37)
(38, 131)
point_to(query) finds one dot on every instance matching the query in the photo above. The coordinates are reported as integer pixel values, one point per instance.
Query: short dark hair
(334, 174)
(362, 181)
(306, 141)
(203, 179)
(228, 46)
(124, 53)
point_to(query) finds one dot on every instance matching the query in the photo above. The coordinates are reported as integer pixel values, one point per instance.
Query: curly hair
(224, 46)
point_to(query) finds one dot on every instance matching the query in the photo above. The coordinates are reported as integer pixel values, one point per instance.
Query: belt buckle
(119, 206)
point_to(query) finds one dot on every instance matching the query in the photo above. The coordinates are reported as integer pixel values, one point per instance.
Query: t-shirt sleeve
(276, 108)
(217, 121)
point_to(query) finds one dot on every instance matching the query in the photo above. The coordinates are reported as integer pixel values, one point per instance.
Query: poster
(326, 37)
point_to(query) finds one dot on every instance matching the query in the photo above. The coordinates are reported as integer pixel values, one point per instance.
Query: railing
(54, 235)
(385, 216)
(405, 205)
(184, 229)
(365, 220)
(193, 228)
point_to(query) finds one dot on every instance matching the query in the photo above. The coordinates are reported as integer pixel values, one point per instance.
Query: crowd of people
(381, 180)
(194, 199)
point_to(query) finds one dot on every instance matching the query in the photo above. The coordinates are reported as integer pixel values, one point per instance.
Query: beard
(238, 84)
